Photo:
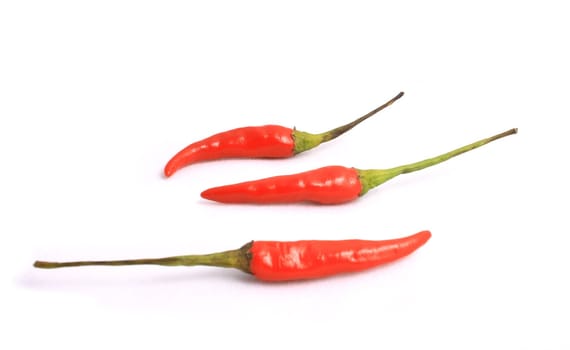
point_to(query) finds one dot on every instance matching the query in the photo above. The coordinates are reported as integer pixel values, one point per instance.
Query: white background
(96, 96)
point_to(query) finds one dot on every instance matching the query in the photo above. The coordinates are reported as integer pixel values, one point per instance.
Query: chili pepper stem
(372, 178)
(237, 258)
(305, 141)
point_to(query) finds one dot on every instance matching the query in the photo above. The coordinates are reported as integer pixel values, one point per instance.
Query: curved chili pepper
(286, 261)
(268, 141)
(327, 185)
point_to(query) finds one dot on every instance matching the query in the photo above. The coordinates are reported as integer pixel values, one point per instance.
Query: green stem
(305, 141)
(237, 258)
(372, 178)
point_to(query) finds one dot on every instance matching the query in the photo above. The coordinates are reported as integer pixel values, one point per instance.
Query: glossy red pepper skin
(301, 260)
(327, 185)
(268, 141)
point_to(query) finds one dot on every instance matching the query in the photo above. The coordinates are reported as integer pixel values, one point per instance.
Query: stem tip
(42, 264)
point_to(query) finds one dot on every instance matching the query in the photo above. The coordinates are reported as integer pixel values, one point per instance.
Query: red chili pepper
(327, 185)
(286, 261)
(268, 141)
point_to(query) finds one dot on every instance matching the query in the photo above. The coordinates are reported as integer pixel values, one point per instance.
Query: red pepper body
(327, 185)
(268, 141)
(284, 261)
